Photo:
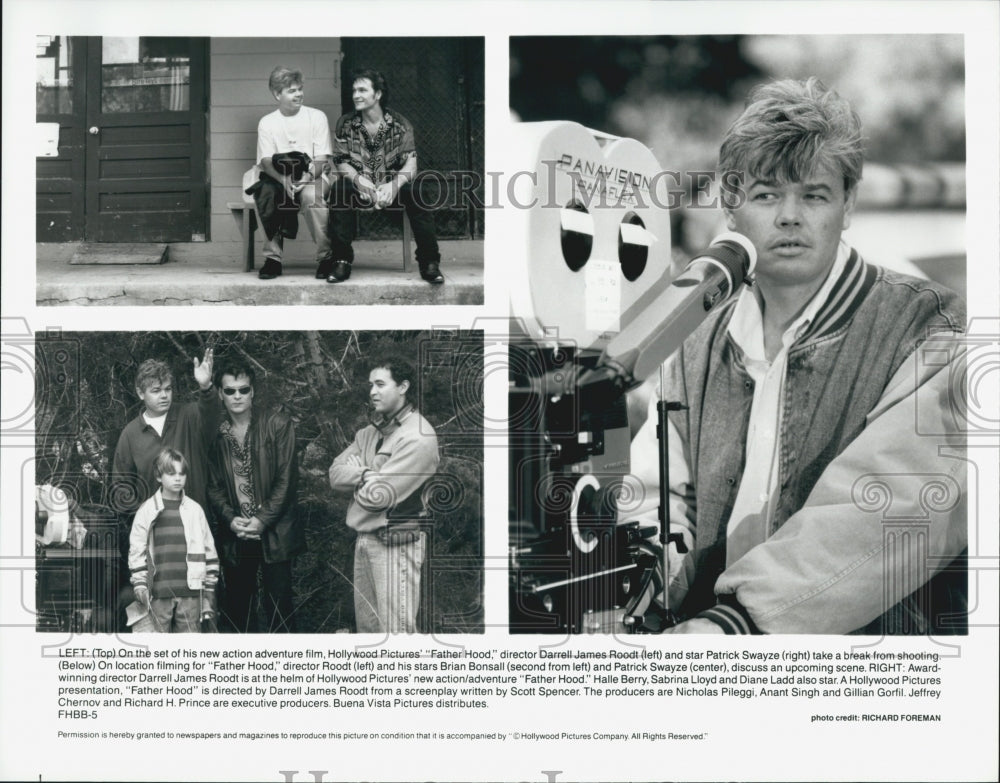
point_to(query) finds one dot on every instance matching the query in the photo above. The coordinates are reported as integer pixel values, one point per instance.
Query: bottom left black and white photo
(259, 482)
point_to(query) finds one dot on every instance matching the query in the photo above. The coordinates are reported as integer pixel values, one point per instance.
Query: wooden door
(61, 63)
(134, 115)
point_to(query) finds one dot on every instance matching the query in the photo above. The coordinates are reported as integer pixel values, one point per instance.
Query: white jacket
(202, 560)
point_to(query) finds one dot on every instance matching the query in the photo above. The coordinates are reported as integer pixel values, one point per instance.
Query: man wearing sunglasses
(254, 474)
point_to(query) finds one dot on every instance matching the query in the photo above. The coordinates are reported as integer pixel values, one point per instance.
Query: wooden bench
(247, 220)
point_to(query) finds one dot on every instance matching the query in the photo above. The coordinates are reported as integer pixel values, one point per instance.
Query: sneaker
(324, 268)
(270, 270)
(432, 274)
(341, 271)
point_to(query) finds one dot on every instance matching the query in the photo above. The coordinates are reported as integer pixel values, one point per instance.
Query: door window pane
(54, 79)
(145, 74)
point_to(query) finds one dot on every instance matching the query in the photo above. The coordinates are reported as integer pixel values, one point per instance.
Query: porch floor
(211, 273)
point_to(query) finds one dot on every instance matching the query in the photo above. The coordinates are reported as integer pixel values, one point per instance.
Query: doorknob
(94, 130)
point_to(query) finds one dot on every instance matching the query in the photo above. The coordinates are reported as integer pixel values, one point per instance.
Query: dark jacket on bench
(277, 212)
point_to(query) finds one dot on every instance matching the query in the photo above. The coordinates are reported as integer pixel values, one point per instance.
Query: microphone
(657, 324)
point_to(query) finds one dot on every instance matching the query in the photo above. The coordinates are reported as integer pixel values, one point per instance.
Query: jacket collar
(226, 425)
(388, 426)
(846, 295)
(830, 309)
(169, 417)
(358, 122)
(158, 499)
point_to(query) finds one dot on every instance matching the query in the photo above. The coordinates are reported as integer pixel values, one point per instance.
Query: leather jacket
(275, 481)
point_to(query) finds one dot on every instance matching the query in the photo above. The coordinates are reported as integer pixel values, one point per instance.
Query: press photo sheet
(415, 564)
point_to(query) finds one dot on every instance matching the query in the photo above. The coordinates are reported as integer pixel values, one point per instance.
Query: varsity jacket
(202, 560)
(864, 463)
(396, 461)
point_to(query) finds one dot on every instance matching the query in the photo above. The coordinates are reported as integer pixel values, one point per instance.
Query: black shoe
(324, 269)
(341, 271)
(270, 270)
(432, 274)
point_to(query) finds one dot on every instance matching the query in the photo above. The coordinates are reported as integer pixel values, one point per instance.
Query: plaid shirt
(377, 157)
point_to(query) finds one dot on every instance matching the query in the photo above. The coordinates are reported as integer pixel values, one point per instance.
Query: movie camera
(596, 309)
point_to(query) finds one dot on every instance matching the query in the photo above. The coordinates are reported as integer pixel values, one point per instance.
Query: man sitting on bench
(293, 144)
(376, 157)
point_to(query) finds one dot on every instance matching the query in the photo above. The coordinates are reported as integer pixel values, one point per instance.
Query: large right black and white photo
(745, 413)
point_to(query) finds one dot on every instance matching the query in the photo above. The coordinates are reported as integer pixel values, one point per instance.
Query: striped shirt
(168, 550)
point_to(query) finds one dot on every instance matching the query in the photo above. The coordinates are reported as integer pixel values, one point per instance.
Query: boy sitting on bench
(293, 144)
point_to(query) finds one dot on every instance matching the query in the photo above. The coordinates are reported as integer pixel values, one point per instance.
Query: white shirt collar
(746, 326)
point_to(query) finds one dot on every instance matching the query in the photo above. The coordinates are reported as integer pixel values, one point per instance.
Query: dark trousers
(240, 608)
(344, 200)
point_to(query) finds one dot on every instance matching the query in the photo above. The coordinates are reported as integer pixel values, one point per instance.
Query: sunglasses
(229, 391)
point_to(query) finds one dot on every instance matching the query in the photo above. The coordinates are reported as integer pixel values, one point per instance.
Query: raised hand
(203, 369)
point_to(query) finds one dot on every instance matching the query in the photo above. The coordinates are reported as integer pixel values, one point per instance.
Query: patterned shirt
(241, 459)
(377, 157)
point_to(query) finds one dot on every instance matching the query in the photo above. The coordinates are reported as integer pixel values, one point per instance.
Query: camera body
(573, 567)
(592, 243)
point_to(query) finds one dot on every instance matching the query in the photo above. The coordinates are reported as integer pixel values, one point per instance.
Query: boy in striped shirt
(172, 556)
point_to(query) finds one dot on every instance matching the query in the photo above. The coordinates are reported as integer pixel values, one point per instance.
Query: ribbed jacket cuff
(729, 615)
